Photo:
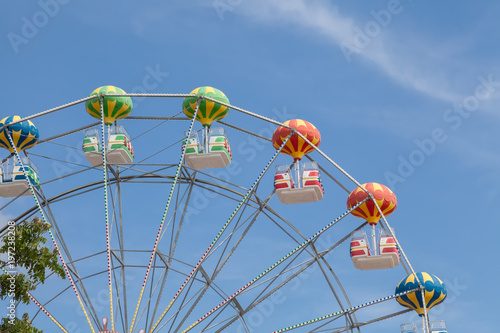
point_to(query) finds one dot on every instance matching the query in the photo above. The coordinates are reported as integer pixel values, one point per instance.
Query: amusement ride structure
(218, 252)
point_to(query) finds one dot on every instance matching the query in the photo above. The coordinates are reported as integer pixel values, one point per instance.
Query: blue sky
(405, 93)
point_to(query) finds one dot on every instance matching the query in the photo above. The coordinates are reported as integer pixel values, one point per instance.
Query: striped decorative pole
(344, 311)
(50, 230)
(240, 204)
(316, 235)
(106, 213)
(47, 313)
(164, 216)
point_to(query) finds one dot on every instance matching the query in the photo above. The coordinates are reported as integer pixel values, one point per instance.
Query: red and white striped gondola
(307, 187)
(373, 248)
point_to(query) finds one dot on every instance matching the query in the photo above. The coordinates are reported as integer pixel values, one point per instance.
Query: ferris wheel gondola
(16, 173)
(432, 293)
(438, 326)
(209, 147)
(373, 248)
(117, 141)
(119, 146)
(303, 184)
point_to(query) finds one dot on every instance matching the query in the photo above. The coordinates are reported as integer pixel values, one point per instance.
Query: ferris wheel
(163, 224)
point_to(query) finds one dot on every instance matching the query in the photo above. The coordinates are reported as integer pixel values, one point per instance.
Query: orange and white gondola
(304, 185)
(373, 248)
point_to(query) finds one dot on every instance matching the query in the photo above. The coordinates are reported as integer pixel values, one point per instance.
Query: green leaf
(28, 255)
(17, 325)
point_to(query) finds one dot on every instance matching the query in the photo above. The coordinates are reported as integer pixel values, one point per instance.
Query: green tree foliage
(19, 326)
(32, 261)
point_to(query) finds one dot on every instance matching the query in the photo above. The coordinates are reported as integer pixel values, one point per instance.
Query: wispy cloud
(403, 60)
(442, 70)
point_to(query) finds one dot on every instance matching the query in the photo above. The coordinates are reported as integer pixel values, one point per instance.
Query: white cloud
(406, 61)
